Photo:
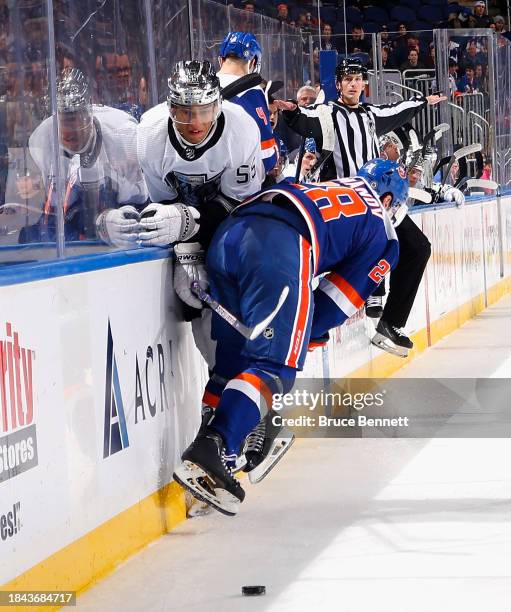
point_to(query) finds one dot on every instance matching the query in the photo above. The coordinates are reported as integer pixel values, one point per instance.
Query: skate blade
(187, 476)
(197, 507)
(279, 448)
(383, 343)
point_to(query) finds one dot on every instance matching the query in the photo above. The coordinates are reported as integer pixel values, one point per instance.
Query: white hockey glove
(451, 194)
(119, 226)
(163, 224)
(189, 267)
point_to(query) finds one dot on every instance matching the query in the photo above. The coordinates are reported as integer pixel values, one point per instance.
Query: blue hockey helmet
(309, 146)
(385, 176)
(242, 45)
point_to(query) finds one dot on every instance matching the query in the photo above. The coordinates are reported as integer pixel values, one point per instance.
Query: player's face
(75, 130)
(308, 162)
(414, 176)
(274, 115)
(194, 122)
(351, 88)
(391, 151)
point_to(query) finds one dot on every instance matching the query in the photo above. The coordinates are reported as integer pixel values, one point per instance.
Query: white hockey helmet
(74, 108)
(194, 90)
(73, 92)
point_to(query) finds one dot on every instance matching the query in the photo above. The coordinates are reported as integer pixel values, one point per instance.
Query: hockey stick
(476, 182)
(483, 183)
(457, 155)
(240, 85)
(299, 159)
(463, 152)
(248, 332)
(433, 135)
(421, 195)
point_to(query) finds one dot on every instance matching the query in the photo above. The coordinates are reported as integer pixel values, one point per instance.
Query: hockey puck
(253, 590)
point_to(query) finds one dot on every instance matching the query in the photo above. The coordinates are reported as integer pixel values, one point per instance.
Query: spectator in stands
(249, 7)
(306, 96)
(412, 62)
(327, 42)
(454, 22)
(246, 21)
(480, 19)
(472, 54)
(387, 59)
(468, 82)
(402, 30)
(385, 36)
(304, 22)
(453, 76)
(480, 76)
(357, 42)
(500, 24)
(431, 58)
(400, 39)
(283, 13)
(403, 49)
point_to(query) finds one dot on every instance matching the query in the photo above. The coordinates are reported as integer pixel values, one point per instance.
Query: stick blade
(483, 183)
(468, 150)
(421, 195)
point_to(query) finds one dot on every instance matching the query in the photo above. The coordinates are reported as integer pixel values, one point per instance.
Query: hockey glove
(451, 194)
(189, 267)
(164, 224)
(119, 227)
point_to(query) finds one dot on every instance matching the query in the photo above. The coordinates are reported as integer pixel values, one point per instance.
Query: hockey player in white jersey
(200, 157)
(99, 169)
(240, 54)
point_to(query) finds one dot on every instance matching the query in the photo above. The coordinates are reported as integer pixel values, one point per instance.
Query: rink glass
(126, 49)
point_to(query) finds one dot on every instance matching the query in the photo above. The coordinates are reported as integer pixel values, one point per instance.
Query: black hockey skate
(204, 472)
(374, 306)
(392, 339)
(265, 446)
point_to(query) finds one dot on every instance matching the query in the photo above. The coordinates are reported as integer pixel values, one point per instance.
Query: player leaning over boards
(197, 168)
(240, 54)
(285, 236)
(357, 125)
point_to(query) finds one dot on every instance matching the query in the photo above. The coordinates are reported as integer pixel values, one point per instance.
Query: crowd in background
(106, 41)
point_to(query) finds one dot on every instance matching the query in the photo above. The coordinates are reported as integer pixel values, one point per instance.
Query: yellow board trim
(83, 562)
(90, 558)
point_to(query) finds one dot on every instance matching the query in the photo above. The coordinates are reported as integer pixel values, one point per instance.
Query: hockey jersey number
(335, 200)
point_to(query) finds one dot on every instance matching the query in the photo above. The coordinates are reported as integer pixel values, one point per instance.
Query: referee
(357, 125)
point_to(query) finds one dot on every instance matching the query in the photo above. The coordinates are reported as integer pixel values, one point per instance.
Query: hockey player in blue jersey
(284, 237)
(241, 54)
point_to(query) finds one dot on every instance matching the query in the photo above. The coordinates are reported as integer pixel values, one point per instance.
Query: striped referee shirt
(356, 129)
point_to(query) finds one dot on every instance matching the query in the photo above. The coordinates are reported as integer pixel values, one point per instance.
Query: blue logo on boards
(115, 430)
